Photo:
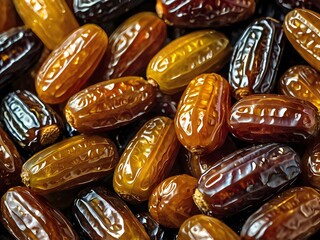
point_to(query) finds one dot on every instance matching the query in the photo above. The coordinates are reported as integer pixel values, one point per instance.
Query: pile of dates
(159, 119)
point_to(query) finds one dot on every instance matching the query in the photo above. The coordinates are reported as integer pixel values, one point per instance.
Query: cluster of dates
(162, 119)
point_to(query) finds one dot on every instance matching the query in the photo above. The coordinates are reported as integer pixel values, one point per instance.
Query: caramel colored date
(204, 13)
(205, 227)
(302, 27)
(71, 64)
(245, 178)
(183, 59)
(201, 118)
(110, 104)
(26, 215)
(102, 215)
(294, 214)
(51, 20)
(8, 16)
(32, 124)
(256, 57)
(147, 160)
(70, 163)
(302, 82)
(273, 118)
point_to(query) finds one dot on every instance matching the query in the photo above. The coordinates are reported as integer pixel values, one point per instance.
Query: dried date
(153, 228)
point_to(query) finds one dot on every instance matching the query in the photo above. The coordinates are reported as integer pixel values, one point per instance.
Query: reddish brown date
(245, 178)
(273, 118)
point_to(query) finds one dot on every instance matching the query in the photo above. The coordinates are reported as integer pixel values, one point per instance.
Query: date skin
(245, 178)
(152, 227)
(294, 214)
(26, 215)
(273, 118)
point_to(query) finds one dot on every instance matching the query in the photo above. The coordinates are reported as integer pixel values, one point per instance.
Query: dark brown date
(288, 5)
(153, 228)
(256, 57)
(245, 178)
(32, 124)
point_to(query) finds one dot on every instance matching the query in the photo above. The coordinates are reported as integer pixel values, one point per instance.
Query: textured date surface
(51, 20)
(102, 215)
(32, 124)
(294, 214)
(175, 65)
(110, 104)
(26, 215)
(204, 13)
(70, 163)
(255, 58)
(273, 118)
(205, 227)
(71, 64)
(302, 27)
(245, 178)
(201, 118)
(146, 160)
(20, 49)
(302, 82)
(152, 227)
(311, 165)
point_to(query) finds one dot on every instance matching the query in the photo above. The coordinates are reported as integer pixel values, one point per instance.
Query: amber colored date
(201, 118)
(27, 215)
(205, 227)
(245, 178)
(71, 64)
(204, 13)
(294, 214)
(302, 27)
(147, 160)
(102, 215)
(273, 118)
(256, 57)
(8, 15)
(110, 104)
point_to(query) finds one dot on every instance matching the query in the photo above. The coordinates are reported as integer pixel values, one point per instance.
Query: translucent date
(183, 59)
(273, 118)
(71, 64)
(204, 13)
(102, 215)
(205, 227)
(26, 215)
(70, 163)
(255, 58)
(147, 160)
(245, 178)
(20, 49)
(201, 118)
(110, 104)
(32, 124)
(51, 20)
(302, 82)
(294, 214)
(8, 16)
(302, 27)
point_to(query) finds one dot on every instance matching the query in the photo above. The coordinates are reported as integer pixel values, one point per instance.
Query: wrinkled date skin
(302, 27)
(186, 57)
(273, 118)
(71, 64)
(256, 57)
(20, 49)
(205, 227)
(294, 214)
(110, 104)
(102, 215)
(302, 82)
(51, 20)
(201, 118)
(32, 124)
(152, 227)
(70, 163)
(8, 16)
(26, 215)
(288, 5)
(245, 178)
(204, 13)
(147, 160)
(171, 203)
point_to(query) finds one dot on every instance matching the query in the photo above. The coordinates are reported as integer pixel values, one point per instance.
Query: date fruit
(152, 227)
(8, 16)
(288, 5)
